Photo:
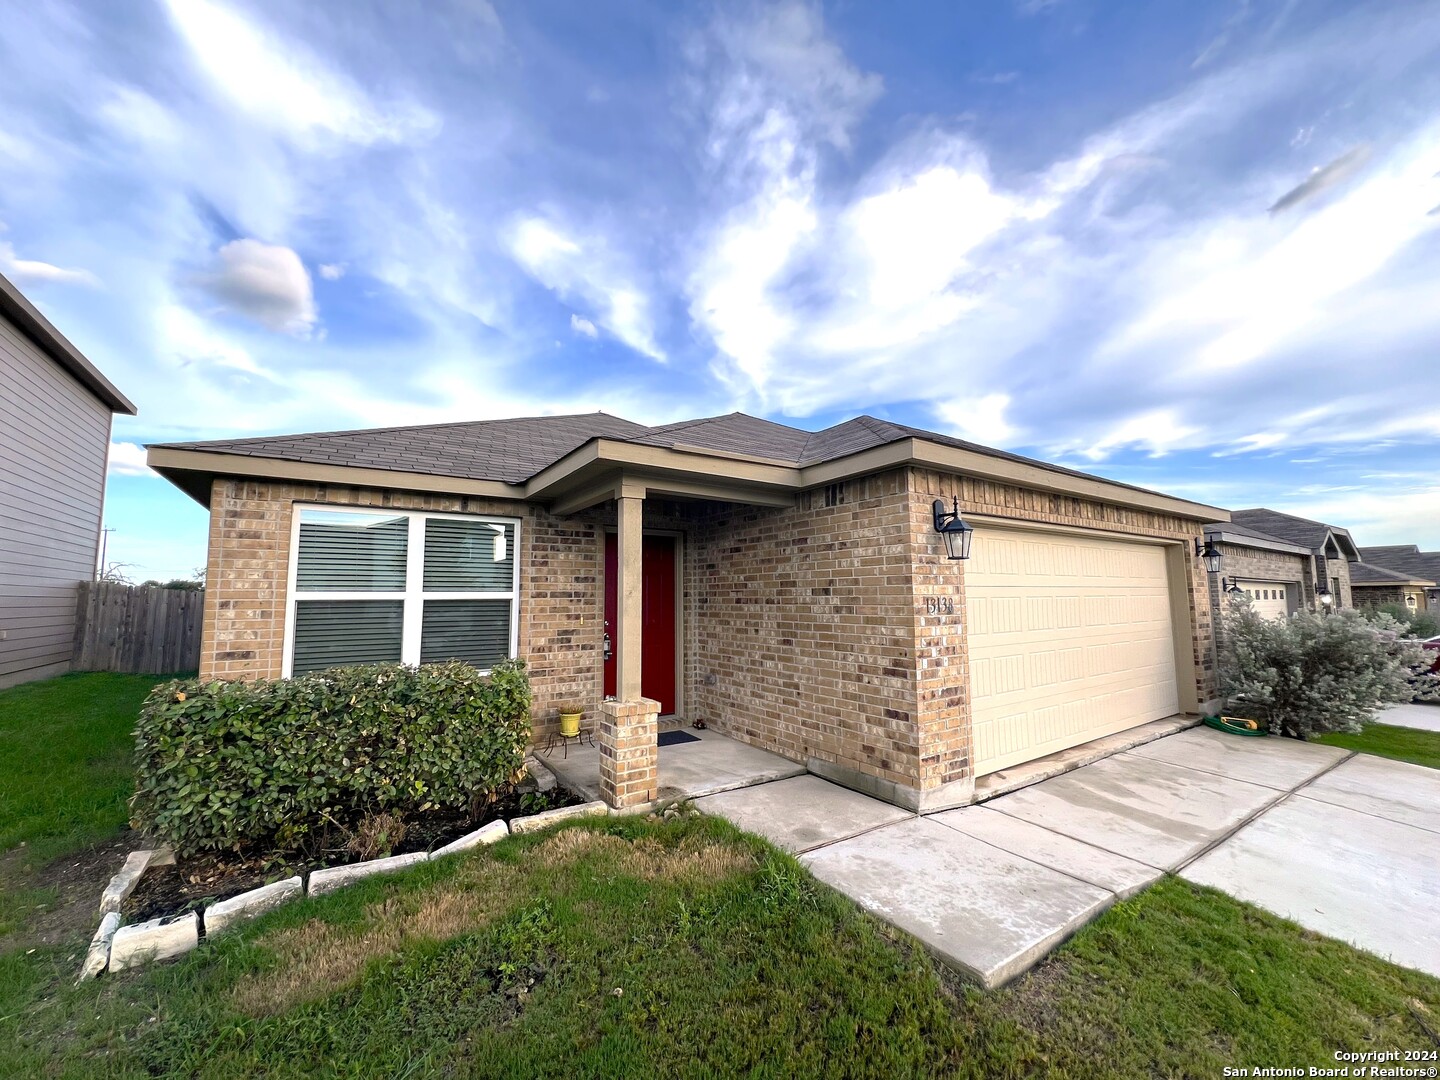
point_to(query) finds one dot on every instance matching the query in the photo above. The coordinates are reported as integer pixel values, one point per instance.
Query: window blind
(469, 556)
(335, 633)
(476, 631)
(342, 552)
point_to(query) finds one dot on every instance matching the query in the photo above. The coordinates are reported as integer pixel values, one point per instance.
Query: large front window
(372, 586)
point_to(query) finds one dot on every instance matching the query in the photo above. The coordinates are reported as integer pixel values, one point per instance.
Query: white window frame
(414, 594)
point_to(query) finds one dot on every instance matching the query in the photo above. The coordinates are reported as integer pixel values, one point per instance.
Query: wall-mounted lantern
(1210, 554)
(1231, 588)
(1325, 598)
(956, 532)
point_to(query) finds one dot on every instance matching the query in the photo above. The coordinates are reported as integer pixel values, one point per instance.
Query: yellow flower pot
(570, 724)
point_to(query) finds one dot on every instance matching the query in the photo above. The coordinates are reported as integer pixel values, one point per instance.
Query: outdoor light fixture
(1231, 588)
(1211, 554)
(957, 534)
(1325, 598)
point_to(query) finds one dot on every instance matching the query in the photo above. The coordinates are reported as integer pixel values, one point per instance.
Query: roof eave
(1259, 543)
(26, 316)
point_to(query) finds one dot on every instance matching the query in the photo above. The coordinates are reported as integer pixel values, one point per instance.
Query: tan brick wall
(1257, 564)
(944, 716)
(803, 630)
(250, 529)
(1375, 595)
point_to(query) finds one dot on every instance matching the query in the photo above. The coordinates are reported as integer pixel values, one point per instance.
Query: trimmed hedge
(276, 765)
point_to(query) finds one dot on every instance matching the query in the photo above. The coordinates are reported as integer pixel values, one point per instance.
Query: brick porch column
(629, 753)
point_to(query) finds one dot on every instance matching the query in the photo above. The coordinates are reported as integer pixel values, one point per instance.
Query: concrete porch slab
(1026, 773)
(1335, 870)
(801, 813)
(982, 910)
(1103, 869)
(1147, 810)
(687, 770)
(1425, 717)
(1394, 790)
(1283, 764)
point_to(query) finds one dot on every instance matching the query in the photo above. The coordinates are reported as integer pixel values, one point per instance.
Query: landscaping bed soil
(203, 879)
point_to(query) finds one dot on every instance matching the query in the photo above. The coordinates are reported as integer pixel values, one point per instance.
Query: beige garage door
(1070, 639)
(1267, 598)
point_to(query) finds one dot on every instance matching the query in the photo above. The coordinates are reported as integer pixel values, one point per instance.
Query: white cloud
(265, 282)
(588, 270)
(128, 459)
(774, 91)
(583, 326)
(332, 271)
(285, 85)
(1158, 431)
(980, 420)
(185, 339)
(25, 270)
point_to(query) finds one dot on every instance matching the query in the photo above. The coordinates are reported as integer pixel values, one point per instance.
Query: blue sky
(1187, 245)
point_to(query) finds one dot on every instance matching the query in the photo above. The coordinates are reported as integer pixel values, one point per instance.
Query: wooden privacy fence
(141, 629)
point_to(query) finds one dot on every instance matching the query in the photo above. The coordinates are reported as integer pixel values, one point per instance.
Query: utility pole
(104, 548)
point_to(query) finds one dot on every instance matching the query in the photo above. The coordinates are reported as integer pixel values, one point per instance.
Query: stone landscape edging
(116, 947)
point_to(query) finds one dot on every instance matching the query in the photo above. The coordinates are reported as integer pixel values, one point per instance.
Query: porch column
(628, 732)
(629, 515)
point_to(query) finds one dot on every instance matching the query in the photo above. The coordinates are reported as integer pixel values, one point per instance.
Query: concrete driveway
(1346, 845)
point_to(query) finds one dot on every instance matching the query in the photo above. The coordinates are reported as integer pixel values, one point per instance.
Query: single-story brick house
(1409, 560)
(1274, 575)
(1331, 550)
(788, 587)
(1373, 586)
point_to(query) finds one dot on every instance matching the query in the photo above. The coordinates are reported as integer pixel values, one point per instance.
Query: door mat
(671, 738)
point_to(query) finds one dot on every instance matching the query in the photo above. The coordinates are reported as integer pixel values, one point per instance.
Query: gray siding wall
(54, 436)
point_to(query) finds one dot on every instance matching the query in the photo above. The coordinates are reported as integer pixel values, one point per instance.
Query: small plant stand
(586, 734)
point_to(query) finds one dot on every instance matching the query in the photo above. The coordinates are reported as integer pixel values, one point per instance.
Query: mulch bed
(203, 879)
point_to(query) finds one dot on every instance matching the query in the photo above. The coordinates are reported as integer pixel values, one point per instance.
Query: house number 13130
(939, 605)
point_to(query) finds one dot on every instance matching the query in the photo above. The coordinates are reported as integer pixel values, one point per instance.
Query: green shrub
(1314, 673)
(274, 766)
(1419, 624)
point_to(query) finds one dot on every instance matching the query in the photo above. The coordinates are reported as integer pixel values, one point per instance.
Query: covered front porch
(638, 752)
(701, 763)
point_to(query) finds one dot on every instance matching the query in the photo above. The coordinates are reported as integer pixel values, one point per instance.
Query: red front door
(657, 618)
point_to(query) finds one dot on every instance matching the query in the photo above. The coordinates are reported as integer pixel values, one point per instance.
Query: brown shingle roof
(1362, 573)
(511, 451)
(1405, 558)
(506, 450)
(1294, 530)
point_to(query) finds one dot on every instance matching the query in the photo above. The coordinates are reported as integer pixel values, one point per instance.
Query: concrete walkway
(992, 888)
(1424, 716)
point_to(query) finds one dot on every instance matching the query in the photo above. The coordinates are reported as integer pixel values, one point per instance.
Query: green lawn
(634, 947)
(1387, 740)
(65, 774)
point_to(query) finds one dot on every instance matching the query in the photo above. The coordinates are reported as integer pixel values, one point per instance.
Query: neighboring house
(1373, 586)
(1331, 551)
(1273, 574)
(1408, 559)
(55, 413)
(788, 587)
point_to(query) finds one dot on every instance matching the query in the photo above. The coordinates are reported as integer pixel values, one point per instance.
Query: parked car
(1433, 644)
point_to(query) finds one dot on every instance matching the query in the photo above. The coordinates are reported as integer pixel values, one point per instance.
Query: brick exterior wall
(804, 629)
(1375, 595)
(560, 632)
(941, 646)
(1257, 564)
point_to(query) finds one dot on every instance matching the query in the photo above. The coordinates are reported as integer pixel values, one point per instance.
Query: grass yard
(628, 946)
(634, 947)
(65, 776)
(1387, 740)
